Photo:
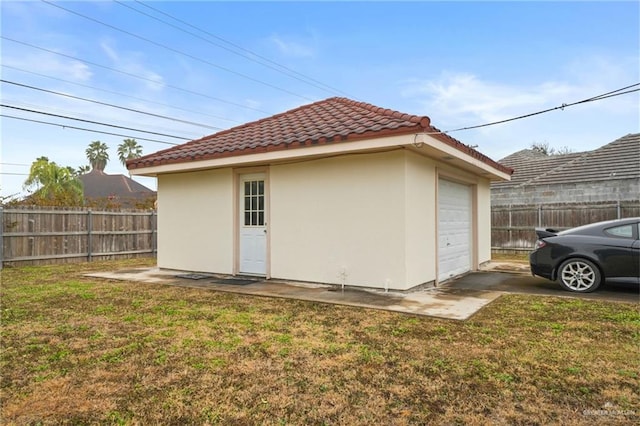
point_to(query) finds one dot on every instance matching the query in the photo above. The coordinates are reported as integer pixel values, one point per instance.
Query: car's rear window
(623, 231)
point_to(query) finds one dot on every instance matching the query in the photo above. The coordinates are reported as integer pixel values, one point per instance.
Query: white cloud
(600, 74)
(465, 99)
(462, 99)
(253, 103)
(132, 63)
(111, 53)
(470, 99)
(50, 64)
(292, 47)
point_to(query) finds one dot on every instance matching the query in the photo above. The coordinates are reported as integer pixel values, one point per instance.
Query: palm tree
(82, 170)
(97, 155)
(53, 185)
(128, 150)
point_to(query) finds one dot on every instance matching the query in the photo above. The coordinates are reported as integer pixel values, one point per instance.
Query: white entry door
(454, 229)
(253, 225)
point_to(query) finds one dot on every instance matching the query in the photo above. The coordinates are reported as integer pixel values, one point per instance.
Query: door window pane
(254, 203)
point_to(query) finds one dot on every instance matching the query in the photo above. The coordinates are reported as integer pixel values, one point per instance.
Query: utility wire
(111, 105)
(119, 94)
(614, 93)
(64, 126)
(179, 52)
(14, 174)
(243, 49)
(266, 62)
(92, 122)
(14, 164)
(55, 110)
(618, 92)
(133, 75)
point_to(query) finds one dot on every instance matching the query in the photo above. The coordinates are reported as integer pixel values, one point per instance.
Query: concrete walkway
(441, 302)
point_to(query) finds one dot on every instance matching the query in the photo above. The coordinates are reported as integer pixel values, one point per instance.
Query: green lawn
(78, 350)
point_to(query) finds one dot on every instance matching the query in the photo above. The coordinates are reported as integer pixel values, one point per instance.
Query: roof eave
(442, 149)
(270, 155)
(431, 147)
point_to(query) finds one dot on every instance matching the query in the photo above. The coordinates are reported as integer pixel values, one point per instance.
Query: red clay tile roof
(333, 120)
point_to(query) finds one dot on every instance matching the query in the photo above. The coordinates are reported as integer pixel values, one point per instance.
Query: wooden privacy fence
(40, 236)
(513, 227)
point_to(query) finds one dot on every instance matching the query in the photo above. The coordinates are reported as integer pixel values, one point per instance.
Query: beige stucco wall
(340, 220)
(362, 219)
(420, 214)
(195, 221)
(484, 220)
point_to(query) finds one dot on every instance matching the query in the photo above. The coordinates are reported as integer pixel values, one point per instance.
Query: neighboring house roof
(529, 164)
(330, 121)
(98, 184)
(619, 159)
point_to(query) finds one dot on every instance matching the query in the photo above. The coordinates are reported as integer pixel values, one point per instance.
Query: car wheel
(579, 275)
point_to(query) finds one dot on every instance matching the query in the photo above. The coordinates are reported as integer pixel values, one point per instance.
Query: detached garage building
(338, 191)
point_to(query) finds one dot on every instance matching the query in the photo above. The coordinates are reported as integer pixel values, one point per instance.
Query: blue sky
(460, 63)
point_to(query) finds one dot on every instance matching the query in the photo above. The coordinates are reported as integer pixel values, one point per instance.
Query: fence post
(89, 238)
(154, 230)
(618, 209)
(510, 233)
(1, 237)
(540, 215)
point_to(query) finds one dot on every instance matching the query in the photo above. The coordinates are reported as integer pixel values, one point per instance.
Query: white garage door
(454, 229)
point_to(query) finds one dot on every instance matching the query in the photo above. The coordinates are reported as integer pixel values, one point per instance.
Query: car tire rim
(578, 276)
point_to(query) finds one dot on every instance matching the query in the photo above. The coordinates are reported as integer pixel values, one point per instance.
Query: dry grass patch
(86, 351)
(512, 257)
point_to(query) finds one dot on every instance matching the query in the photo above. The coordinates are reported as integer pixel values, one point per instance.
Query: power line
(64, 126)
(111, 105)
(93, 122)
(618, 92)
(133, 75)
(14, 164)
(242, 49)
(119, 94)
(614, 93)
(14, 174)
(57, 110)
(278, 67)
(179, 52)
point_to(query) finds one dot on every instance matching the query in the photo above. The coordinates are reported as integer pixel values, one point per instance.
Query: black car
(581, 258)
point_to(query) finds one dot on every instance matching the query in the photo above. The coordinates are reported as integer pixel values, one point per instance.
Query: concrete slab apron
(441, 302)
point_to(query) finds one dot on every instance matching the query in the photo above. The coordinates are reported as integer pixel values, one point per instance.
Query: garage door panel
(454, 229)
